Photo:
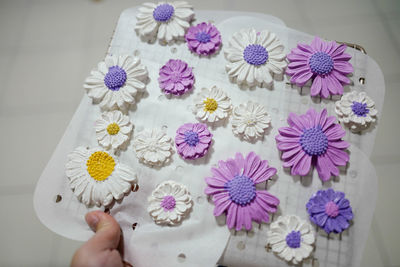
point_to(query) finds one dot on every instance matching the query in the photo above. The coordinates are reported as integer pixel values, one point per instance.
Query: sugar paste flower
(233, 189)
(164, 21)
(169, 203)
(250, 120)
(356, 110)
(325, 63)
(330, 210)
(203, 39)
(116, 81)
(313, 139)
(253, 56)
(153, 147)
(113, 129)
(291, 238)
(176, 77)
(193, 140)
(97, 178)
(212, 105)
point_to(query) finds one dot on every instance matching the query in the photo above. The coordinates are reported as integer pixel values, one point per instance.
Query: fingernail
(92, 219)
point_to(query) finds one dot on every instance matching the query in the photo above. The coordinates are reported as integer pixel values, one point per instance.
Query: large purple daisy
(325, 63)
(330, 210)
(193, 140)
(313, 139)
(203, 39)
(176, 77)
(233, 187)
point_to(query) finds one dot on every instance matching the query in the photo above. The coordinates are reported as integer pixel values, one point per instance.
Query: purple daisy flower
(233, 190)
(193, 140)
(313, 139)
(176, 77)
(325, 63)
(330, 210)
(203, 39)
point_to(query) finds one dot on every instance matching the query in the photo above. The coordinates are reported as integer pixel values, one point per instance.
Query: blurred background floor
(48, 47)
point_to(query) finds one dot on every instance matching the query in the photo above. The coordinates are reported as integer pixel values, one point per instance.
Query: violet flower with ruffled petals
(176, 77)
(203, 39)
(193, 140)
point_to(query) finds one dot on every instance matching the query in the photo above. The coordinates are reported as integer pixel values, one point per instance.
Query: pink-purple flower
(203, 39)
(233, 190)
(325, 63)
(193, 140)
(313, 139)
(176, 77)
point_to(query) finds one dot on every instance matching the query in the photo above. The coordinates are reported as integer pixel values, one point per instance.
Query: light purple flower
(313, 139)
(323, 62)
(203, 39)
(193, 140)
(233, 190)
(176, 77)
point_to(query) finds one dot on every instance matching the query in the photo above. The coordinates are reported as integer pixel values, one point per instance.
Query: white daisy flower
(250, 120)
(164, 21)
(153, 147)
(116, 81)
(212, 105)
(291, 238)
(356, 110)
(169, 203)
(97, 178)
(253, 56)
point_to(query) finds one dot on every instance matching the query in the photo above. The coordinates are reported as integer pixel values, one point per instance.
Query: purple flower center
(203, 37)
(360, 109)
(314, 141)
(168, 203)
(115, 78)
(255, 54)
(191, 138)
(293, 239)
(321, 63)
(331, 209)
(242, 190)
(163, 12)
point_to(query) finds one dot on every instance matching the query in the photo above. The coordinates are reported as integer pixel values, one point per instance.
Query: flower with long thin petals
(203, 39)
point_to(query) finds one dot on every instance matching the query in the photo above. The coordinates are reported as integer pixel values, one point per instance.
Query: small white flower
(97, 178)
(212, 105)
(164, 21)
(153, 147)
(291, 238)
(169, 203)
(253, 56)
(116, 81)
(250, 120)
(356, 110)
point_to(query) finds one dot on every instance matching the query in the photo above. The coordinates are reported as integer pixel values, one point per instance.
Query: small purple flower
(193, 140)
(176, 77)
(330, 210)
(203, 39)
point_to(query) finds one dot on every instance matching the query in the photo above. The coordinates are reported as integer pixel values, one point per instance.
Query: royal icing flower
(116, 81)
(253, 56)
(203, 39)
(291, 238)
(113, 129)
(330, 210)
(356, 110)
(97, 178)
(164, 21)
(212, 105)
(176, 77)
(233, 190)
(169, 203)
(193, 140)
(325, 63)
(250, 120)
(153, 147)
(313, 139)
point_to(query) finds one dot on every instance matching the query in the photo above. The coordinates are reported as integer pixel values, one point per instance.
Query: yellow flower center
(113, 129)
(210, 105)
(100, 165)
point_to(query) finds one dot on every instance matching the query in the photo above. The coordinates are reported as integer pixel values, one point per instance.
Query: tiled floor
(47, 47)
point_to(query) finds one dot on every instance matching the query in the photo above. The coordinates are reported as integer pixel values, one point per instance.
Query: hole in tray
(181, 257)
(58, 198)
(241, 245)
(361, 80)
(135, 187)
(107, 210)
(134, 225)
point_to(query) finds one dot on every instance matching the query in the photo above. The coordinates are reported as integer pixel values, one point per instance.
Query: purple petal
(343, 67)
(231, 216)
(302, 167)
(337, 156)
(316, 86)
(263, 173)
(251, 164)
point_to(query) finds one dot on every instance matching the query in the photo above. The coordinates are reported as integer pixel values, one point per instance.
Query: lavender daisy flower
(323, 62)
(233, 190)
(330, 210)
(313, 139)
(176, 77)
(203, 39)
(193, 140)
